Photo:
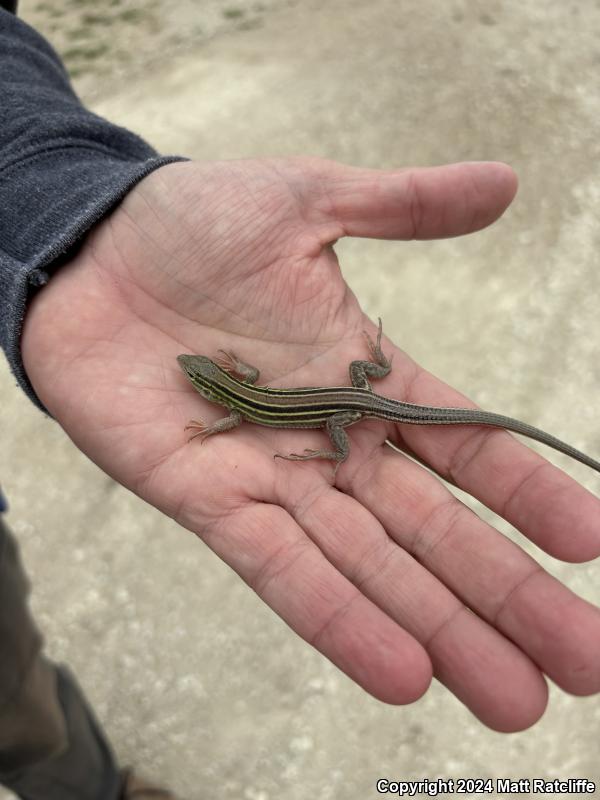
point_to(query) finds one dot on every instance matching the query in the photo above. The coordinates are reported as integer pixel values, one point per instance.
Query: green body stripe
(314, 407)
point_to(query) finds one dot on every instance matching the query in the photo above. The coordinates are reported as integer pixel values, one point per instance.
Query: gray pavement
(197, 682)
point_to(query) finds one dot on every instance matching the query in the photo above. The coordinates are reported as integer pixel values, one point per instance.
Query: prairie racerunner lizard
(332, 408)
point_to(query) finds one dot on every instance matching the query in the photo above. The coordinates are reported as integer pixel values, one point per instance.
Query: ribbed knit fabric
(62, 169)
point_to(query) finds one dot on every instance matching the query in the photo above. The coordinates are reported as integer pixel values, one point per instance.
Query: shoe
(135, 788)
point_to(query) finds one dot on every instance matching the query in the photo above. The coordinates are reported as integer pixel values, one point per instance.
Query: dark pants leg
(51, 746)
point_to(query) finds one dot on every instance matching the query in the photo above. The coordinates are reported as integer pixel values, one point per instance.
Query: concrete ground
(196, 681)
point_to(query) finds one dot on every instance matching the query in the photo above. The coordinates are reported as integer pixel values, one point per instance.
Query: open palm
(383, 571)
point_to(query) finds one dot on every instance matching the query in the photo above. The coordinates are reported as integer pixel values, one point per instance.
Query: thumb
(414, 203)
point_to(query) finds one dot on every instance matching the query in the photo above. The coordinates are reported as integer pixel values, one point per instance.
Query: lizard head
(201, 372)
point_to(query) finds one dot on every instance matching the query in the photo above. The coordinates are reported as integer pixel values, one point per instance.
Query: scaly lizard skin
(332, 408)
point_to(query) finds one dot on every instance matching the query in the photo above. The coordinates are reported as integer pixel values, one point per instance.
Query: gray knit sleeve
(62, 169)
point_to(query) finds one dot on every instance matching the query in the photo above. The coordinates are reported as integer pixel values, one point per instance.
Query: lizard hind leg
(331, 455)
(338, 438)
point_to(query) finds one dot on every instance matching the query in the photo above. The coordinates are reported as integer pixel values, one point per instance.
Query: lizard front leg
(220, 426)
(248, 374)
(231, 363)
(338, 438)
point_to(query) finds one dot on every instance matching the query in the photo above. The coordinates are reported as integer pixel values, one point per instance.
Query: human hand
(386, 573)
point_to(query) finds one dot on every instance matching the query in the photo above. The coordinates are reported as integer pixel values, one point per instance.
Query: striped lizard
(231, 383)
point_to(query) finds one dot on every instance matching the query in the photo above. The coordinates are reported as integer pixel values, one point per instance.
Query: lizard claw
(199, 426)
(227, 361)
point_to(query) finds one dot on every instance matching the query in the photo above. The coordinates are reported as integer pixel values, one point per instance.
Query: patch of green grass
(95, 19)
(82, 53)
(233, 13)
(131, 15)
(78, 33)
(84, 3)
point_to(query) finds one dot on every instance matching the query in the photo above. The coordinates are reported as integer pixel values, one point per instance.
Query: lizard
(232, 383)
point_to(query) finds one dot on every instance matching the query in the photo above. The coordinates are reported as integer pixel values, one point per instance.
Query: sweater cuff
(62, 169)
(100, 181)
